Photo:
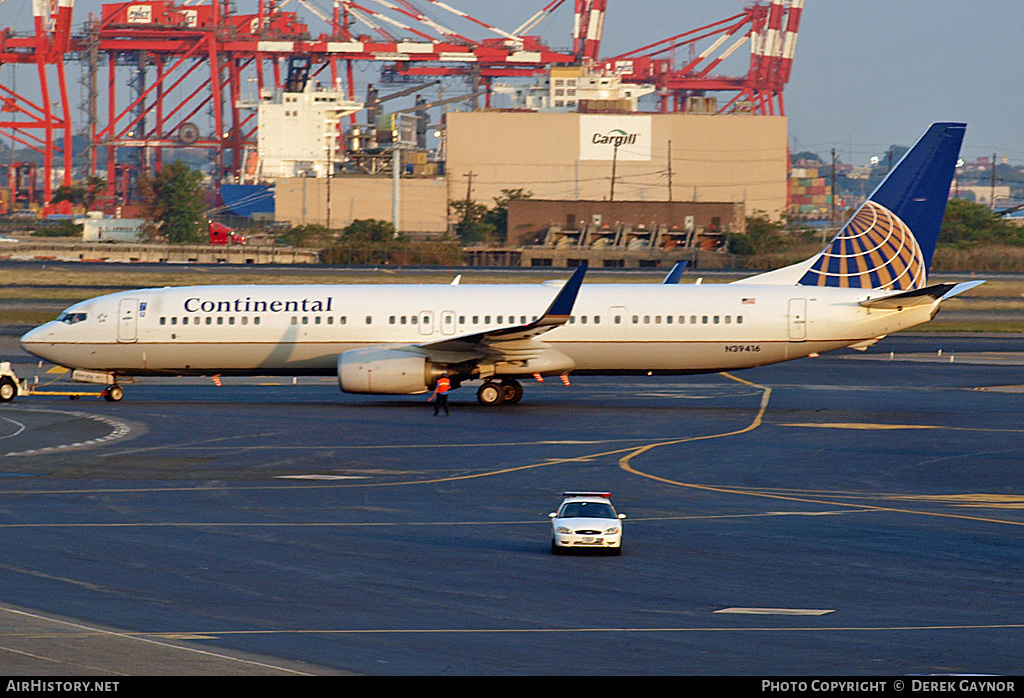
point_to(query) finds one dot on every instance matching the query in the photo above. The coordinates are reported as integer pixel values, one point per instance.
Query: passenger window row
(209, 320)
(498, 319)
(317, 320)
(694, 319)
(475, 319)
(244, 320)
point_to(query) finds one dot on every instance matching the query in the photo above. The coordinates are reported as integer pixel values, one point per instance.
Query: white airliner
(398, 339)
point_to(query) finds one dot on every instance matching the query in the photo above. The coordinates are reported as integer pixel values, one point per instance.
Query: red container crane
(180, 62)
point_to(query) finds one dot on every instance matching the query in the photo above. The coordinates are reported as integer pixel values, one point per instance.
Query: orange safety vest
(443, 385)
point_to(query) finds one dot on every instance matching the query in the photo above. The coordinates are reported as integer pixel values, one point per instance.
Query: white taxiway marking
(21, 428)
(322, 477)
(119, 430)
(777, 611)
(129, 636)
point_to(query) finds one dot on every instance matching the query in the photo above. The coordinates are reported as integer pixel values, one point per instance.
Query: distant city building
(981, 194)
(574, 88)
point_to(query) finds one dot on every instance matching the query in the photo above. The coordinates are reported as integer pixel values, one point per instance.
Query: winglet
(921, 296)
(677, 272)
(555, 316)
(561, 308)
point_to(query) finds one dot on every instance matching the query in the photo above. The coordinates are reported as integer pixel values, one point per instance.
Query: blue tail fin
(890, 241)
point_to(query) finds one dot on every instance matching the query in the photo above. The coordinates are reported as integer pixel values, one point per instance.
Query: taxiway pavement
(850, 514)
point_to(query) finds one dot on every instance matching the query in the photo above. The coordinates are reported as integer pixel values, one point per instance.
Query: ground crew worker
(440, 395)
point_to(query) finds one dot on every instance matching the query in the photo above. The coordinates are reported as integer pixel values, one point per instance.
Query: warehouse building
(620, 157)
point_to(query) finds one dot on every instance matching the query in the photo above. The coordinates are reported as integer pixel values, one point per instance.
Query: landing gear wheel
(113, 393)
(490, 393)
(8, 389)
(513, 390)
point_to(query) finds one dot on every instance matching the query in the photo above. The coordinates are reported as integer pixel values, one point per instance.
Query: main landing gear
(509, 391)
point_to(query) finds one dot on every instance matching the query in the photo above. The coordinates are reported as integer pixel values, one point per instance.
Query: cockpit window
(71, 318)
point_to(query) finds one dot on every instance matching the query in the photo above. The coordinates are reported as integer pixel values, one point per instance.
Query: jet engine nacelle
(386, 372)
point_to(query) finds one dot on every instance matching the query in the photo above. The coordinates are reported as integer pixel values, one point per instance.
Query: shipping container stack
(810, 196)
(416, 163)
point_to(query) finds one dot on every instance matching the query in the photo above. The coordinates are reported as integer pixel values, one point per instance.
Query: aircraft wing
(921, 296)
(512, 342)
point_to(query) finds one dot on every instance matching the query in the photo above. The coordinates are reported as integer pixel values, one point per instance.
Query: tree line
(174, 200)
(971, 237)
(371, 241)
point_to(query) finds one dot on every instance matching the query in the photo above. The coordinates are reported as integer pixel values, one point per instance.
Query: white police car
(586, 520)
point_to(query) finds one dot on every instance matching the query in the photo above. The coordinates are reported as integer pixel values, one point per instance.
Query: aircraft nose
(35, 336)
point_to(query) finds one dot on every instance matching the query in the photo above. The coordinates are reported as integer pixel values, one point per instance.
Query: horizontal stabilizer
(863, 346)
(920, 296)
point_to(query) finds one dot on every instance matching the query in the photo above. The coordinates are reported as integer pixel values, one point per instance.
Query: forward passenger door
(128, 320)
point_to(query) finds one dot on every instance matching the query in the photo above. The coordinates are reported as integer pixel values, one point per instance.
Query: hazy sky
(867, 74)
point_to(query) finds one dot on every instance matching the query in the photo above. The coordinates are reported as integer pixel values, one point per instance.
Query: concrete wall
(63, 251)
(557, 156)
(598, 259)
(304, 200)
(527, 217)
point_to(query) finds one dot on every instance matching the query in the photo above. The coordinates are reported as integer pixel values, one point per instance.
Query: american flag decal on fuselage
(875, 249)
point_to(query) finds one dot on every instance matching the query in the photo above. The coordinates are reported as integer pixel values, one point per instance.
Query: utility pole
(615, 158)
(396, 188)
(832, 220)
(670, 171)
(992, 195)
(330, 174)
(469, 201)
